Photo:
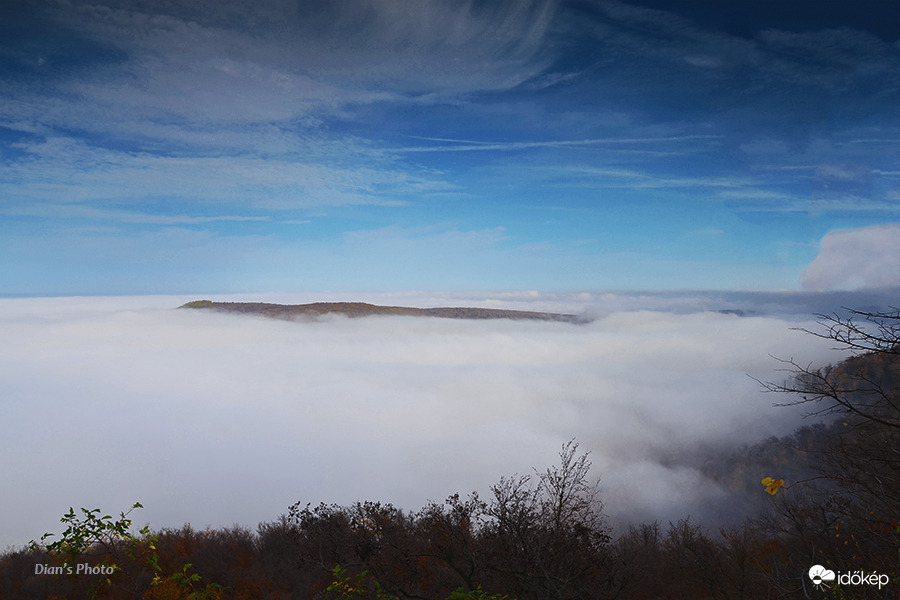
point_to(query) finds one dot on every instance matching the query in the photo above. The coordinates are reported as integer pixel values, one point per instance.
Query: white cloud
(215, 419)
(866, 257)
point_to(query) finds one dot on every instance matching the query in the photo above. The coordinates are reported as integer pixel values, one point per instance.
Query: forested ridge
(833, 501)
(364, 309)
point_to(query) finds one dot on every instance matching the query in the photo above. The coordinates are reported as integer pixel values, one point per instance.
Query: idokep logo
(822, 577)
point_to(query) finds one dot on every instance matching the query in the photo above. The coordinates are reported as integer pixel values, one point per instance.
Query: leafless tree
(548, 538)
(864, 386)
(849, 511)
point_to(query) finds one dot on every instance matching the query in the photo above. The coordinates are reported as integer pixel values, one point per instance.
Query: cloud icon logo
(820, 575)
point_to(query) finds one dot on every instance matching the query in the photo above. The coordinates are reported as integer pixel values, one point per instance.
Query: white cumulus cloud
(849, 259)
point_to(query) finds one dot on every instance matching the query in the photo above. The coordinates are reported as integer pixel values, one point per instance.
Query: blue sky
(220, 147)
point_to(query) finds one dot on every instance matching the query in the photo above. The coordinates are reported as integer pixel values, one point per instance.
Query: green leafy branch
(92, 534)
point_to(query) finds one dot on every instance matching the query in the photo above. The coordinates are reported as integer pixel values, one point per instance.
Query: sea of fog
(219, 419)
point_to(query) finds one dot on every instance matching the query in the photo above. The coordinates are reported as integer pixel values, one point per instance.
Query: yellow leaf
(772, 485)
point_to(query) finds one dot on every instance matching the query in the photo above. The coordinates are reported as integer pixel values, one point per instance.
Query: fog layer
(216, 419)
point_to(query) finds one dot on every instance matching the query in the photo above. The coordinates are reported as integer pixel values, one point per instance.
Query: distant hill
(362, 309)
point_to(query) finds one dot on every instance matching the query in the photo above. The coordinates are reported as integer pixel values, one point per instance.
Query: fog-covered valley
(216, 419)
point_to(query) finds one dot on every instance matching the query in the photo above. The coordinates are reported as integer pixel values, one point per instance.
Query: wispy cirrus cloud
(453, 145)
(228, 103)
(266, 63)
(828, 58)
(87, 211)
(65, 170)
